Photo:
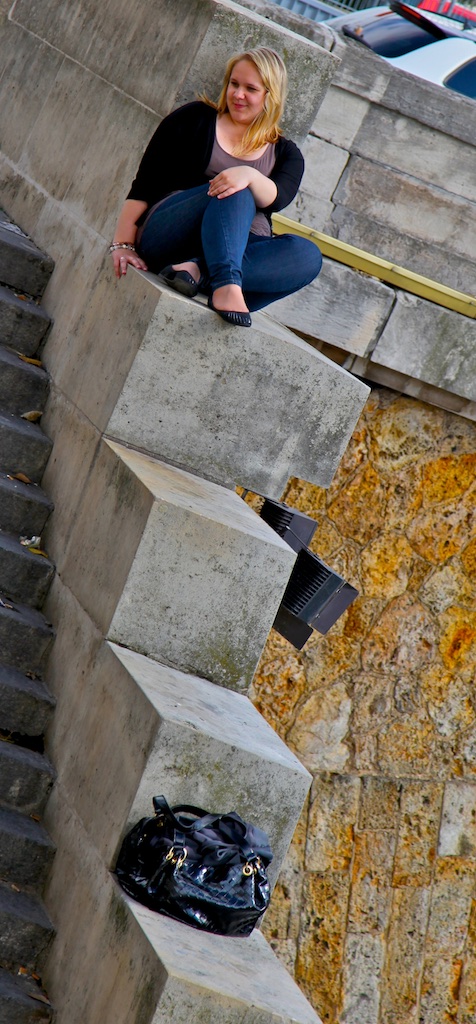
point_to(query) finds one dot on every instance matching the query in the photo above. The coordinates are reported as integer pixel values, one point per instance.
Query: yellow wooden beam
(382, 269)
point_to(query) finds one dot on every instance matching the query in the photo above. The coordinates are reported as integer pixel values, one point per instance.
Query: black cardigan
(179, 153)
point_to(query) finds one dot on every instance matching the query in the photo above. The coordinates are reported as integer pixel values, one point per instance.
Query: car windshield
(464, 80)
(390, 35)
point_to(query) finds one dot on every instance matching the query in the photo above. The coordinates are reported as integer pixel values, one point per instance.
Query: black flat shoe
(231, 316)
(181, 280)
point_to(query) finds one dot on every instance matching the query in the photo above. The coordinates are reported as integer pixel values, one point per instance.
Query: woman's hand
(229, 181)
(234, 179)
(122, 258)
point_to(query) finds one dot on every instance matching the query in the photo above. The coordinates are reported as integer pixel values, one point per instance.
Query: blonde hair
(272, 71)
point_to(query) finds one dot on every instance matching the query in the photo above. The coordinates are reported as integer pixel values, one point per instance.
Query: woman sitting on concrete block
(199, 210)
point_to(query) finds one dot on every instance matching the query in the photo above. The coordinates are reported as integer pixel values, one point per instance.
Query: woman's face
(246, 93)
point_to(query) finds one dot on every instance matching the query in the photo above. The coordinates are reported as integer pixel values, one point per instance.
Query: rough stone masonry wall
(376, 909)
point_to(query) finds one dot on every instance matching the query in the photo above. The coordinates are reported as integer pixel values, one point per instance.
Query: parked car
(430, 46)
(398, 29)
(447, 62)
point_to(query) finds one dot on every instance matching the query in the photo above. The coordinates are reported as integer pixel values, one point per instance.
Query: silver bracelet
(121, 245)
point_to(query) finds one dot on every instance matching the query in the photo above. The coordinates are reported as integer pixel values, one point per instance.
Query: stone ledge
(220, 980)
(238, 406)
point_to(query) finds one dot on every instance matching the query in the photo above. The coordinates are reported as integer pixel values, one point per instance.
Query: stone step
(25, 928)
(199, 743)
(22, 264)
(25, 636)
(25, 576)
(22, 1001)
(24, 508)
(23, 386)
(189, 574)
(26, 850)
(26, 778)
(220, 981)
(23, 447)
(23, 323)
(26, 706)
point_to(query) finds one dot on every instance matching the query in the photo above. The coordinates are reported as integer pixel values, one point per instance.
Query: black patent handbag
(208, 870)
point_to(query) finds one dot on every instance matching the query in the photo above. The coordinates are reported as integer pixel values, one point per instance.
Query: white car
(448, 62)
(430, 46)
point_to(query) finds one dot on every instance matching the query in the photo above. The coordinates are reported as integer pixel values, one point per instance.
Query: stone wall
(389, 169)
(375, 909)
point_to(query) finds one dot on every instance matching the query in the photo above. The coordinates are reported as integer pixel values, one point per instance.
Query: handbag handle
(162, 807)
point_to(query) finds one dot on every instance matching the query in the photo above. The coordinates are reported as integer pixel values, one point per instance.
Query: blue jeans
(215, 233)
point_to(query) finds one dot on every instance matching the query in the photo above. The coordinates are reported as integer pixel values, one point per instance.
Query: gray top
(220, 160)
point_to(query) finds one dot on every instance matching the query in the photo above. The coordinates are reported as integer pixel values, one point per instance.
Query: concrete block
(363, 74)
(23, 387)
(429, 154)
(150, 729)
(417, 209)
(25, 509)
(249, 407)
(324, 166)
(18, 1000)
(26, 706)
(433, 261)
(25, 928)
(25, 576)
(339, 117)
(218, 740)
(308, 209)
(26, 778)
(175, 567)
(23, 324)
(23, 447)
(445, 355)
(450, 112)
(151, 967)
(25, 637)
(326, 309)
(26, 850)
(224, 982)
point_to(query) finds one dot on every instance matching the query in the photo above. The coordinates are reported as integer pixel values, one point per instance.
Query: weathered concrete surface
(420, 255)
(221, 981)
(175, 567)
(326, 309)
(152, 968)
(417, 208)
(195, 737)
(424, 152)
(196, 37)
(446, 351)
(22, 265)
(246, 407)
(217, 738)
